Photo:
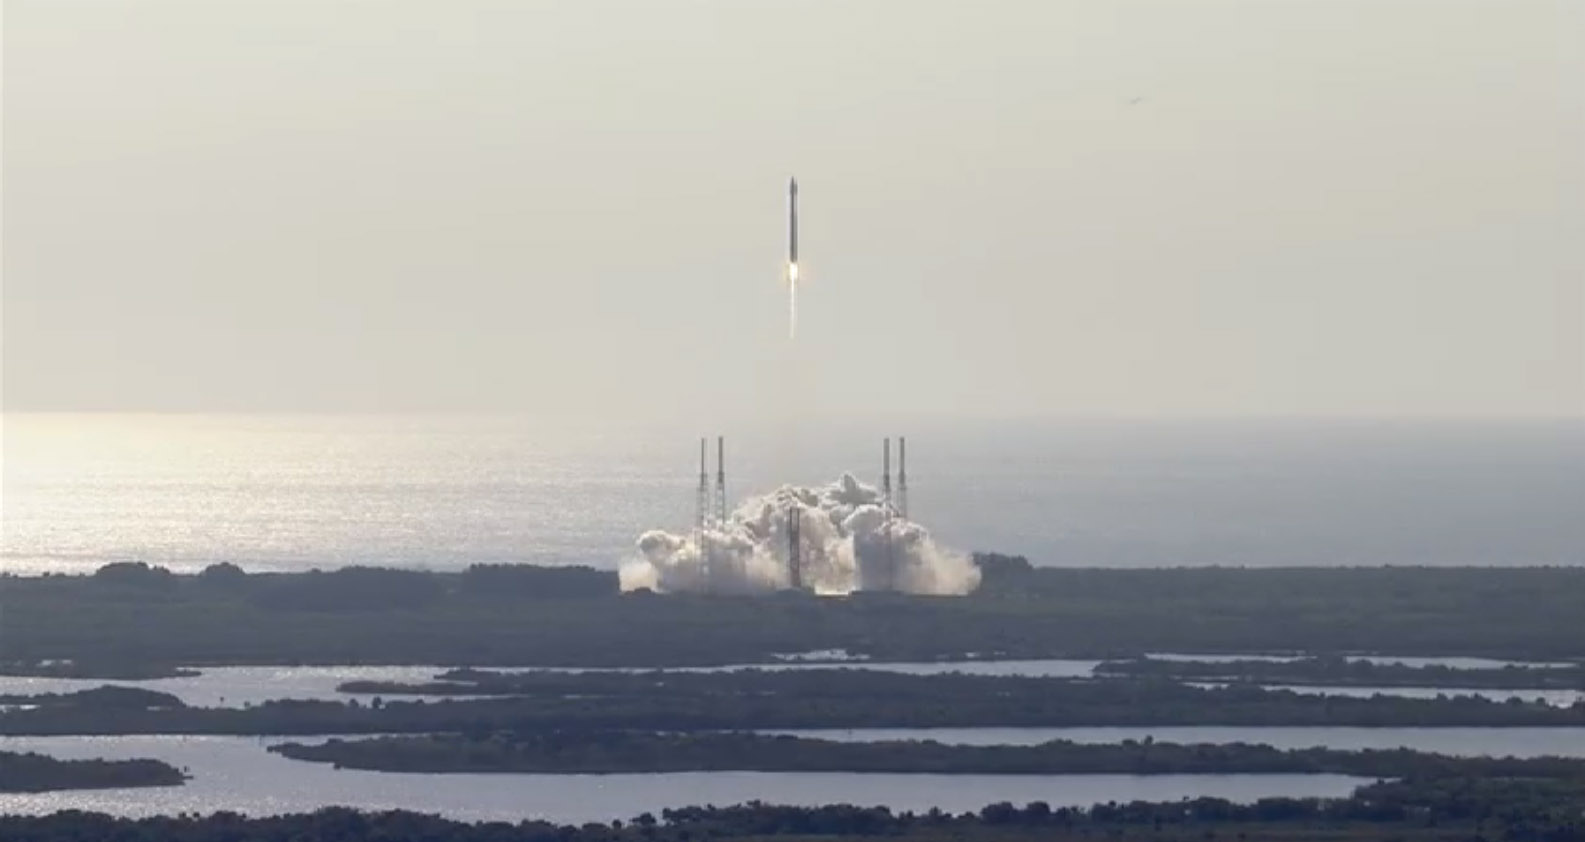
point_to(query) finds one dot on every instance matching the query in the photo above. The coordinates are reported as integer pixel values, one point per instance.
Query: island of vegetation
(586, 752)
(1339, 671)
(1435, 810)
(106, 698)
(40, 773)
(130, 615)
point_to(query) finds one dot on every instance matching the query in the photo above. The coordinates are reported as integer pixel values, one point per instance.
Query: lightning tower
(902, 477)
(702, 518)
(720, 479)
(886, 513)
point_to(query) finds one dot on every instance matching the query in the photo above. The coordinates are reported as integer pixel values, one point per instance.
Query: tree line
(1522, 810)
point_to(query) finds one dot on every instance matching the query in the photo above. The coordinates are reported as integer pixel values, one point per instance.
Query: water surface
(236, 773)
(1042, 668)
(288, 492)
(238, 686)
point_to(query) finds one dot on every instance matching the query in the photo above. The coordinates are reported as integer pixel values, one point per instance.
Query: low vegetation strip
(569, 616)
(1345, 672)
(42, 773)
(1412, 811)
(859, 681)
(760, 700)
(633, 752)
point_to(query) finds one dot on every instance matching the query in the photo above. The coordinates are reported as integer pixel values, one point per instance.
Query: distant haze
(1009, 208)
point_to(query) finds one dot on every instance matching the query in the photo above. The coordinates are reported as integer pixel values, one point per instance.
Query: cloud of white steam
(847, 543)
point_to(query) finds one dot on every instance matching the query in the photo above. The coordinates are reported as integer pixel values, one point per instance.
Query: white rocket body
(792, 258)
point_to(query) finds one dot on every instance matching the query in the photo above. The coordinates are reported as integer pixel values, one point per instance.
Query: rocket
(792, 258)
(792, 227)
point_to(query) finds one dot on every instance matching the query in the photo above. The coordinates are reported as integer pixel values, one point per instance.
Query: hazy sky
(1010, 208)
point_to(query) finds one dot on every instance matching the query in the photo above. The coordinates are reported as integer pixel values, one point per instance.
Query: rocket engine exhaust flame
(792, 301)
(847, 544)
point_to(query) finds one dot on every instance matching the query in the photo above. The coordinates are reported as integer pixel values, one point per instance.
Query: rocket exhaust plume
(847, 542)
(792, 259)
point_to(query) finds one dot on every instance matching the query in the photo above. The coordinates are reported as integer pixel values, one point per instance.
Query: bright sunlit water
(237, 686)
(292, 492)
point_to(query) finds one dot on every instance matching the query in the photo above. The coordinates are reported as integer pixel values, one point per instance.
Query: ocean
(293, 492)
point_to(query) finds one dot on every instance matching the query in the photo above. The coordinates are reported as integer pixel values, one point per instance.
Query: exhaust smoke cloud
(847, 541)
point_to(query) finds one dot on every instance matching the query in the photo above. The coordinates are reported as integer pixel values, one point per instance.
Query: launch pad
(713, 522)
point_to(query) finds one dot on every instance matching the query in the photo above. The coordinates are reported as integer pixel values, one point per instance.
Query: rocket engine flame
(847, 544)
(792, 301)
